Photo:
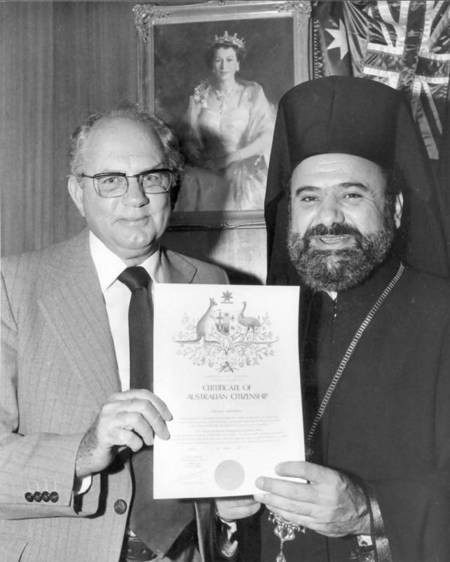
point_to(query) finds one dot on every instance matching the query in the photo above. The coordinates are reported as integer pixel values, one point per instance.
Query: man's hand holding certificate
(226, 363)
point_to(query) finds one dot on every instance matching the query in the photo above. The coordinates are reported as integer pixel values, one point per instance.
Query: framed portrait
(215, 72)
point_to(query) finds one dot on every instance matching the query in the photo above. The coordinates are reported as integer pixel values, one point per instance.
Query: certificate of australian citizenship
(226, 363)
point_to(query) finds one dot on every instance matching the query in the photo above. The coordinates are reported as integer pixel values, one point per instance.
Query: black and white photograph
(225, 281)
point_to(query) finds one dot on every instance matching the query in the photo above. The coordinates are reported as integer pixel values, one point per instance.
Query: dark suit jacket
(58, 368)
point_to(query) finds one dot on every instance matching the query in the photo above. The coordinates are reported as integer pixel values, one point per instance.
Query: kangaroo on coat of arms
(224, 337)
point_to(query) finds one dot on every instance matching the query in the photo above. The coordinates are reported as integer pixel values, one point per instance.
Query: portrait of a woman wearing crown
(227, 134)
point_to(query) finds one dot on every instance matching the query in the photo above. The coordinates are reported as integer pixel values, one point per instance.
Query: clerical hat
(357, 116)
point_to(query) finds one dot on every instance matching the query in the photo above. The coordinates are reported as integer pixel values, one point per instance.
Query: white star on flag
(339, 39)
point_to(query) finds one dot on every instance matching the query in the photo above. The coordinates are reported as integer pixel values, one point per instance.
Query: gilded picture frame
(173, 83)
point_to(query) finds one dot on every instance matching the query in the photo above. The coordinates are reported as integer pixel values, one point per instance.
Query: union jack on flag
(408, 48)
(404, 44)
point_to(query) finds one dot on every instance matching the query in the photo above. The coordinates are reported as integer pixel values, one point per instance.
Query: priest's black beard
(338, 270)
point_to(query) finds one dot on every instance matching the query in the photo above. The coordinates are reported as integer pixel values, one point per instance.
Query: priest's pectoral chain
(285, 531)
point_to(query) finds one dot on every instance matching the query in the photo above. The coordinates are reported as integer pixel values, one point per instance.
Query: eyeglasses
(115, 184)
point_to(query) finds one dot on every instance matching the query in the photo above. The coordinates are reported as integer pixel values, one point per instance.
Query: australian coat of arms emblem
(226, 335)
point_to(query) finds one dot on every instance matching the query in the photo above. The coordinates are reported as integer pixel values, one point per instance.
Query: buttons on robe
(44, 496)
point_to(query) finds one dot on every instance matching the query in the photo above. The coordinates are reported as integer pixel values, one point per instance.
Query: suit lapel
(75, 310)
(177, 268)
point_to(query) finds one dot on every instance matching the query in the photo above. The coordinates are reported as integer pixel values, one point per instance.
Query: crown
(231, 39)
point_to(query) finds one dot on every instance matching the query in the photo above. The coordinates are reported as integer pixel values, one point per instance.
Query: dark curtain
(60, 61)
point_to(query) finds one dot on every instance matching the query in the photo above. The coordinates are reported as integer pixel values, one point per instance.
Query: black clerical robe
(388, 421)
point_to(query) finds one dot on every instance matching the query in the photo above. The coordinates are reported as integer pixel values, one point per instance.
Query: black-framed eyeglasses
(115, 184)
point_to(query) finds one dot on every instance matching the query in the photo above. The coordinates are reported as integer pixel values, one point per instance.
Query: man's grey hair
(172, 156)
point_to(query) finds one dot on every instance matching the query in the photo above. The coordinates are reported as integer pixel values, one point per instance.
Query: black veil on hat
(357, 116)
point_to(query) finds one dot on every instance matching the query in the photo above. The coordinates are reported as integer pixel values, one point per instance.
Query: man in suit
(352, 218)
(70, 424)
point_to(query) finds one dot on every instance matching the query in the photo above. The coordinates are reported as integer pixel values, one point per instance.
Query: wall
(62, 61)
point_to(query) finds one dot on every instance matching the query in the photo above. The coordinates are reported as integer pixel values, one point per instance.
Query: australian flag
(404, 44)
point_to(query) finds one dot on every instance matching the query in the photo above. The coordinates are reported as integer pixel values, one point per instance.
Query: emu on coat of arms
(226, 335)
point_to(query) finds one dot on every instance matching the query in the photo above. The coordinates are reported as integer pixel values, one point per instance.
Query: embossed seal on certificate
(229, 474)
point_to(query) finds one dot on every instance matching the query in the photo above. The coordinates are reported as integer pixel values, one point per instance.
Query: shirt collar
(109, 266)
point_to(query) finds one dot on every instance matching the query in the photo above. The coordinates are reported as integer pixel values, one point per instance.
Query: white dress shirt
(117, 298)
